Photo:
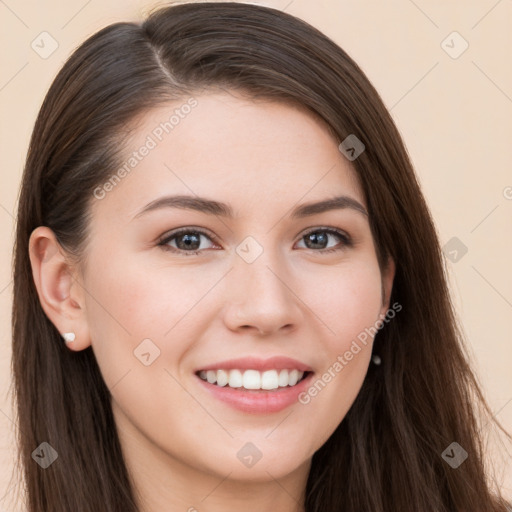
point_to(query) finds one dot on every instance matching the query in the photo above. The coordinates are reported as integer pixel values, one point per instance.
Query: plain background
(452, 107)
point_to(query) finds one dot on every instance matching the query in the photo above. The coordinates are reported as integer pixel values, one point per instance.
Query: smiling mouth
(268, 380)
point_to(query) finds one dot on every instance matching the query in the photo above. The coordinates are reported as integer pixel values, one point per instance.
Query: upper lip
(255, 363)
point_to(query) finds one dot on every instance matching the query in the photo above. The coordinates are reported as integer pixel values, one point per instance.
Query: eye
(187, 241)
(319, 239)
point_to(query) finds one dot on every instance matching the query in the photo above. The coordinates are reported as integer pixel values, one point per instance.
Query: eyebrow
(212, 207)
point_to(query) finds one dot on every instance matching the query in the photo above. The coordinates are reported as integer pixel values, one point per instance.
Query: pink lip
(258, 401)
(254, 363)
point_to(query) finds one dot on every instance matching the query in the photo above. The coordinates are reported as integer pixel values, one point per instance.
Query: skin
(262, 158)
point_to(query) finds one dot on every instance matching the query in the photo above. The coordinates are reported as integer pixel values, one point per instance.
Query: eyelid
(329, 229)
(187, 229)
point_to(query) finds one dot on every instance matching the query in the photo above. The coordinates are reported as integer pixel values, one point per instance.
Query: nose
(261, 298)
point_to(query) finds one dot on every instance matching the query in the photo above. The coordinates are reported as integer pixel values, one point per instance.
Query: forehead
(247, 152)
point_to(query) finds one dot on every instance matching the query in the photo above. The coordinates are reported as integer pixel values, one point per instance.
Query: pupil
(315, 238)
(190, 240)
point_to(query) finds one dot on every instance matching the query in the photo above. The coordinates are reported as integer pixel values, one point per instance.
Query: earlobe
(60, 296)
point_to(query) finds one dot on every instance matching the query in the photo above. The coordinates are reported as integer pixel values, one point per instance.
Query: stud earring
(68, 336)
(376, 359)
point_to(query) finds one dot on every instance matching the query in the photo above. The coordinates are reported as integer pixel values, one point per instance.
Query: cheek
(129, 302)
(356, 306)
(351, 303)
(346, 300)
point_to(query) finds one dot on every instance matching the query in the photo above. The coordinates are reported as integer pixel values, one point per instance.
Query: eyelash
(345, 239)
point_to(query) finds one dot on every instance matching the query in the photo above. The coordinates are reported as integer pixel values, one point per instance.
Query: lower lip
(258, 401)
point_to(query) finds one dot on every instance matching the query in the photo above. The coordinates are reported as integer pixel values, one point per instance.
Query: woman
(228, 291)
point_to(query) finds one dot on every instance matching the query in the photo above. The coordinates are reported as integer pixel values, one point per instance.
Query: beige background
(455, 115)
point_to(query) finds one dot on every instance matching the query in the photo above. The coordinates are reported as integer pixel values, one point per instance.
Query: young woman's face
(254, 288)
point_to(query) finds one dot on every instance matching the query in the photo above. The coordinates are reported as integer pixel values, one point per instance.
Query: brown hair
(386, 453)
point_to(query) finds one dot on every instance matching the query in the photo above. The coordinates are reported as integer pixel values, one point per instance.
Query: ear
(60, 293)
(388, 276)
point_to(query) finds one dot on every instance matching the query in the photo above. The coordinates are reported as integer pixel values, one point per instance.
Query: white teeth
(252, 379)
(235, 379)
(293, 377)
(283, 378)
(222, 377)
(269, 380)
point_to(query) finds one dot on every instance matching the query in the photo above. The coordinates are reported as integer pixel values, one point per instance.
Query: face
(249, 290)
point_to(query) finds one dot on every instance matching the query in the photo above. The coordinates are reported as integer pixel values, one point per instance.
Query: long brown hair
(386, 453)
